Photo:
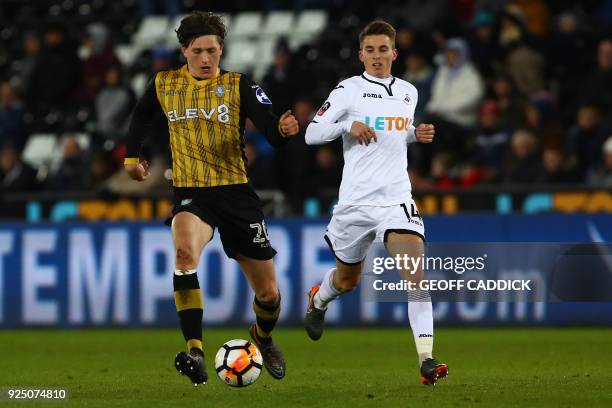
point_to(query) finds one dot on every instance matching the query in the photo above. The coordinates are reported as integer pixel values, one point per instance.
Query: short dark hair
(200, 23)
(378, 27)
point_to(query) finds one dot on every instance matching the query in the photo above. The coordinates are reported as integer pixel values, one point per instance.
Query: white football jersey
(375, 174)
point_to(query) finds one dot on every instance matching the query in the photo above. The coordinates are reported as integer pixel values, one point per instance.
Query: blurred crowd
(520, 92)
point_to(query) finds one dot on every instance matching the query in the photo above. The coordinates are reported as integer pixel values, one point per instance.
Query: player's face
(377, 54)
(203, 56)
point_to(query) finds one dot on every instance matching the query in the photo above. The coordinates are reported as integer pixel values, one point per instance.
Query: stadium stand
(544, 72)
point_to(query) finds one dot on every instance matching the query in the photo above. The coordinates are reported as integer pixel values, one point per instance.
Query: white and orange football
(238, 363)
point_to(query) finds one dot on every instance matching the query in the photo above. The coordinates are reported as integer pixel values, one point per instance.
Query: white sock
(327, 292)
(420, 314)
(181, 272)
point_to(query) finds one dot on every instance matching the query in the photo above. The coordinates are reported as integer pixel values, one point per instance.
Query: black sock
(267, 316)
(189, 305)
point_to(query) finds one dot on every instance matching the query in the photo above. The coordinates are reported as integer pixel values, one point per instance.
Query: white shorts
(353, 228)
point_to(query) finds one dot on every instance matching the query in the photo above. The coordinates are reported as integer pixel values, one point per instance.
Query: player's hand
(363, 133)
(425, 133)
(288, 124)
(138, 172)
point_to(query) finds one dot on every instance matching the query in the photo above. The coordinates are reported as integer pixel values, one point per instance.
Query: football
(238, 363)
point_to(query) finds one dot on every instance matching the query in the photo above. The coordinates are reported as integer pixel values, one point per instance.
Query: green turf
(367, 367)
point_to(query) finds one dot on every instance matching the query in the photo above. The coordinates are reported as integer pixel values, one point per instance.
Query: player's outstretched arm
(256, 105)
(330, 121)
(424, 133)
(321, 133)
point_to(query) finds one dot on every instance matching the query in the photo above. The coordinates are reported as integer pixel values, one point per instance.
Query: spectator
(510, 103)
(101, 58)
(261, 143)
(491, 140)
(600, 175)
(31, 48)
(72, 172)
(304, 111)
(441, 170)
(419, 73)
(457, 87)
(405, 39)
(447, 172)
(292, 160)
(472, 174)
(102, 167)
(567, 56)
(585, 140)
(522, 164)
(541, 120)
(523, 64)
(536, 14)
(261, 173)
(56, 73)
(567, 43)
(280, 81)
(553, 168)
(15, 175)
(482, 42)
(570, 123)
(12, 126)
(324, 175)
(456, 93)
(597, 88)
(162, 59)
(113, 105)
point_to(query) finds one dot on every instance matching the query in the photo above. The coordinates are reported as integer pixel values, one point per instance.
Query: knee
(346, 283)
(186, 257)
(268, 294)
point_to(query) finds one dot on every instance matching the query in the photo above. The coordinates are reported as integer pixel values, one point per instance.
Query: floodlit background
(520, 93)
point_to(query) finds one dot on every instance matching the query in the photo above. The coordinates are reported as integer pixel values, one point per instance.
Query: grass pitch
(353, 367)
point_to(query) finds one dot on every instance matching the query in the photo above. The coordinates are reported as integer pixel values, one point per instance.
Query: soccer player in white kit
(374, 113)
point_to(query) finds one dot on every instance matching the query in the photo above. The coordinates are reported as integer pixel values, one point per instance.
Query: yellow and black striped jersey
(205, 122)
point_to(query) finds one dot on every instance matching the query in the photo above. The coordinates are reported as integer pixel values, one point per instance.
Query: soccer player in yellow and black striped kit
(205, 109)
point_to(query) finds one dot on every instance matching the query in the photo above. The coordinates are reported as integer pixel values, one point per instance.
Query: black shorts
(235, 210)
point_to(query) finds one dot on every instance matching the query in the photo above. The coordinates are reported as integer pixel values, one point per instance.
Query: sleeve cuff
(131, 160)
(412, 134)
(347, 126)
(280, 131)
